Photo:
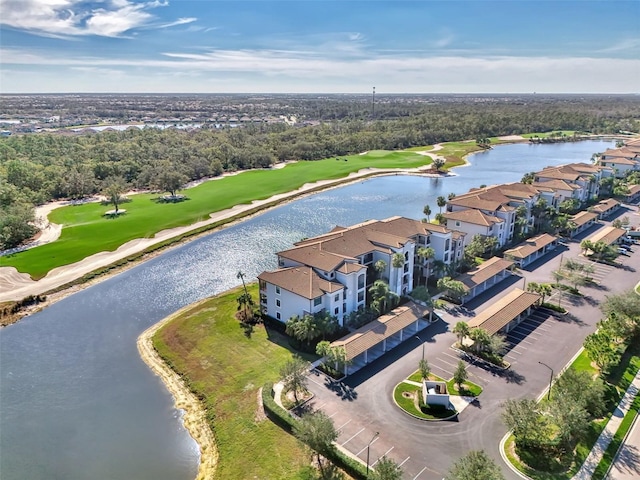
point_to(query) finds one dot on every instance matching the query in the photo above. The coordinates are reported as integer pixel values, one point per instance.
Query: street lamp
(422, 346)
(550, 379)
(368, 445)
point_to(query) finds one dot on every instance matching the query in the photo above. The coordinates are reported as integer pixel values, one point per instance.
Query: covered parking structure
(506, 313)
(604, 208)
(582, 221)
(609, 235)
(371, 341)
(531, 250)
(485, 276)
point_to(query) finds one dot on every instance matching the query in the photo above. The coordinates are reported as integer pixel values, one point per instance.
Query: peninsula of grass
(86, 231)
(541, 466)
(225, 369)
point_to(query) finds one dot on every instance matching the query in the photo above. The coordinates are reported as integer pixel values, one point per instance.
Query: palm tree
(381, 297)
(441, 201)
(451, 196)
(586, 245)
(462, 331)
(379, 267)
(427, 211)
(304, 329)
(425, 253)
(438, 267)
(480, 337)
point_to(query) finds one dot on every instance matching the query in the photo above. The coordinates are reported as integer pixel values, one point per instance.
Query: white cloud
(313, 70)
(180, 21)
(69, 18)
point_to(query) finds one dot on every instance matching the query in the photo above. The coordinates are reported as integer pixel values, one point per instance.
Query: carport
(371, 341)
(608, 235)
(484, 276)
(582, 221)
(529, 251)
(604, 208)
(506, 313)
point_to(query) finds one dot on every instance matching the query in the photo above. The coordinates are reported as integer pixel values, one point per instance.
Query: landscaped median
(555, 464)
(408, 395)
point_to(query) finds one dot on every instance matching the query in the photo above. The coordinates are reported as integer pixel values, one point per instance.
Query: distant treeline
(45, 167)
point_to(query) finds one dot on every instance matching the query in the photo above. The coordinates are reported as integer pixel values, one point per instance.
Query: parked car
(626, 247)
(623, 251)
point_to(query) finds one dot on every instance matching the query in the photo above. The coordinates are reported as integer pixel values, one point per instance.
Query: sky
(319, 46)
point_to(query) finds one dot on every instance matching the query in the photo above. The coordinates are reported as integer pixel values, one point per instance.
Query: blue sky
(208, 46)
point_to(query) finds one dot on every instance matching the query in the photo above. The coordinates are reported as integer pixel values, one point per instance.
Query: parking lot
(370, 424)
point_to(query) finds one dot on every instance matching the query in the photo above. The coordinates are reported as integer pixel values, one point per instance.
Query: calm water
(76, 401)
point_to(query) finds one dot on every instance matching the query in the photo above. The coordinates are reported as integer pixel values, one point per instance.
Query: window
(368, 258)
(336, 311)
(278, 316)
(361, 281)
(277, 303)
(317, 301)
(336, 298)
(457, 223)
(447, 243)
(361, 297)
(277, 290)
(263, 285)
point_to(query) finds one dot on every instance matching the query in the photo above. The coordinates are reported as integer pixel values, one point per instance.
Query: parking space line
(444, 361)
(344, 425)
(366, 446)
(353, 436)
(452, 356)
(383, 455)
(404, 461)
(334, 413)
(419, 473)
(317, 383)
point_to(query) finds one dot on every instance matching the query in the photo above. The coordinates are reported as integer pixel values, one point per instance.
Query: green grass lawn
(86, 231)
(408, 404)
(469, 389)
(568, 133)
(207, 347)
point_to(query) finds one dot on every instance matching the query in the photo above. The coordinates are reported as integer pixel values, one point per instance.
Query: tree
(316, 430)
(440, 219)
(498, 344)
(386, 469)
(245, 300)
(397, 261)
(379, 267)
(542, 289)
(454, 288)
(451, 196)
(475, 465)
(335, 356)
(16, 224)
(293, 374)
(600, 348)
(441, 202)
(461, 329)
(304, 329)
(586, 246)
(481, 339)
(382, 298)
(427, 212)
(460, 374)
(113, 188)
(170, 180)
(528, 177)
(438, 163)
(524, 418)
(424, 369)
(570, 417)
(579, 388)
(425, 254)
(626, 304)
(438, 267)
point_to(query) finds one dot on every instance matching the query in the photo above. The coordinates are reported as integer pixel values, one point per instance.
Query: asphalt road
(362, 405)
(626, 465)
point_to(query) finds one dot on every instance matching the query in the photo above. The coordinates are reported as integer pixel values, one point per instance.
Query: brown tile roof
(404, 227)
(349, 267)
(619, 152)
(583, 217)
(605, 205)
(620, 161)
(633, 189)
(484, 271)
(608, 235)
(555, 185)
(302, 281)
(559, 173)
(497, 315)
(383, 327)
(473, 216)
(314, 256)
(526, 248)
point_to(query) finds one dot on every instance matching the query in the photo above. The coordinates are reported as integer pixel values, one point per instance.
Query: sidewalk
(597, 452)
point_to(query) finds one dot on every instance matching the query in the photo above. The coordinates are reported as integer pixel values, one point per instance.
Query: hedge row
(281, 417)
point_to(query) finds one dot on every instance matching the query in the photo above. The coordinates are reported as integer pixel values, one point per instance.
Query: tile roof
(484, 272)
(608, 235)
(497, 315)
(526, 248)
(605, 205)
(619, 152)
(383, 327)
(556, 184)
(314, 256)
(473, 216)
(583, 217)
(620, 161)
(302, 281)
(349, 267)
(633, 189)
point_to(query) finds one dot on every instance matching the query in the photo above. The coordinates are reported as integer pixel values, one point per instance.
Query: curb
(420, 418)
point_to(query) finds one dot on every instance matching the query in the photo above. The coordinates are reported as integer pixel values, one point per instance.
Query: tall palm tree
(382, 298)
(481, 338)
(441, 201)
(427, 211)
(305, 328)
(425, 253)
(461, 330)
